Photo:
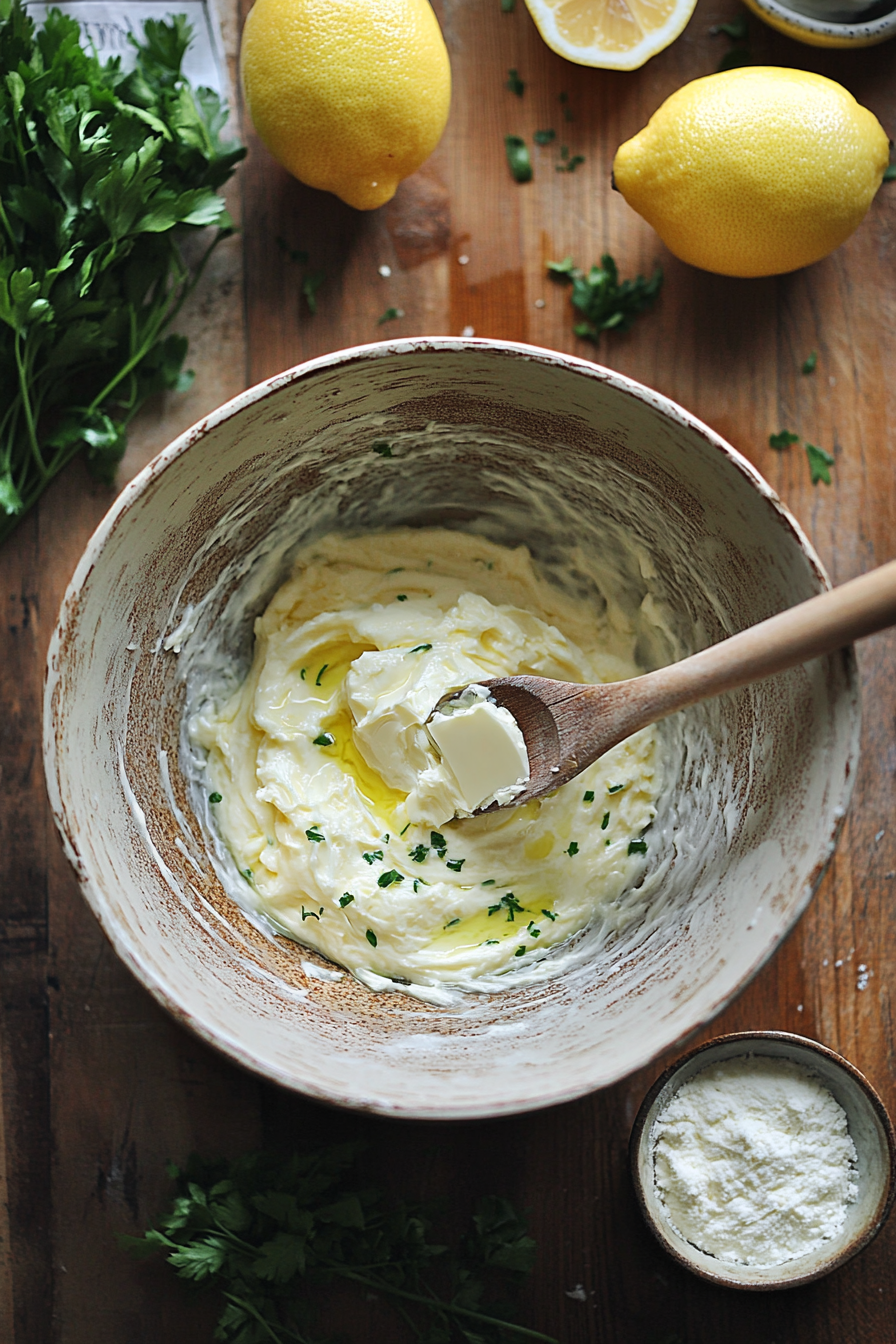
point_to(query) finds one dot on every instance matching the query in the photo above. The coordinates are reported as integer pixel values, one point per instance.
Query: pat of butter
(482, 746)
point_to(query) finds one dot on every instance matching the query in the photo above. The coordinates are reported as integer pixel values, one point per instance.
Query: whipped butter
(348, 822)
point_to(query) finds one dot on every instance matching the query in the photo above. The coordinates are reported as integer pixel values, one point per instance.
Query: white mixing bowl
(523, 445)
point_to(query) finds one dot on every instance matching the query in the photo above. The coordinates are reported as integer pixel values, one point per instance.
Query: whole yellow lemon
(349, 95)
(754, 171)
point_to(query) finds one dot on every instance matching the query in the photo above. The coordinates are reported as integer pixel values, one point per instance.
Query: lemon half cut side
(610, 34)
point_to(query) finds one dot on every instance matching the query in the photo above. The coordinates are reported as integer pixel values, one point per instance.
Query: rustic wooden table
(99, 1086)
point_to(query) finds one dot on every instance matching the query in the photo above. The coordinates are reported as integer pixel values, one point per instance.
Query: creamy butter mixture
(334, 802)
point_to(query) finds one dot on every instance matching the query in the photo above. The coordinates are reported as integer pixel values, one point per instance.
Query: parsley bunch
(266, 1231)
(606, 303)
(103, 177)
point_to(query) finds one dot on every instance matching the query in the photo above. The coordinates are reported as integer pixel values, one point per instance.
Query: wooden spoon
(566, 725)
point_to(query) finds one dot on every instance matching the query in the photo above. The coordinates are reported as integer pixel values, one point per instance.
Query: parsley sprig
(103, 175)
(605, 302)
(268, 1232)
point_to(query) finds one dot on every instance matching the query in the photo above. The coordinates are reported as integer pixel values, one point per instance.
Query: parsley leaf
(810, 362)
(820, 464)
(421, 648)
(518, 160)
(269, 1232)
(313, 834)
(104, 176)
(390, 315)
(573, 849)
(384, 450)
(439, 843)
(214, 797)
(515, 84)
(389, 879)
(373, 856)
(418, 853)
(637, 846)
(346, 898)
(606, 303)
(588, 796)
(371, 937)
(544, 137)
(782, 440)
(508, 903)
(324, 740)
(455, 864)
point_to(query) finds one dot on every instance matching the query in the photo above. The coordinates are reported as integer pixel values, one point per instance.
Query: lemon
(612, 34)
(755, 171)
(349, 95)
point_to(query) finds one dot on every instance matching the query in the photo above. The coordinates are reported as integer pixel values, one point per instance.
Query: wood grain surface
(99, 1087)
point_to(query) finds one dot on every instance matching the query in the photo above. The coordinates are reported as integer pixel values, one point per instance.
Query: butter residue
(336, 808)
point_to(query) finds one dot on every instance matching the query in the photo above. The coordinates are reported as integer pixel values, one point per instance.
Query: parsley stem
(449, 1307)
(26, 406)
(283, 1330)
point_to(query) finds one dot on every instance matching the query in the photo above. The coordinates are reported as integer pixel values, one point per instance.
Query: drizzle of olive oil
(382, 798)
(540, 847)
(476, 929)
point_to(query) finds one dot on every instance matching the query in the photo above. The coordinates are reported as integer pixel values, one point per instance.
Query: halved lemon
(611, 34)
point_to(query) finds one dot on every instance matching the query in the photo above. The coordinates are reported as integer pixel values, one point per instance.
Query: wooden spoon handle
(820, 625)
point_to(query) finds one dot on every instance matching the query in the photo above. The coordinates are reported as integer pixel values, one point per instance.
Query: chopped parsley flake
(247, 874)
(588, 796)
(386, 838)
(390, 315)
(637, 846)
(421, 648)
(451, 923)
(418, 853)
(549, 914)
(615, 788)
(389, 879)
(313, 834)
(420, 882)
(401, 597)
(371, 937)
(325, 740)
(214, 798)
(302, 673)
(544, 137)
(372, 856)
(310, 285)
(515, 84)
(508, 903)
(439, 843)
(810, 362)
(573, 849)
(569, 165)
(346, 898)
(606, 821)
(406, 828)
(399, 569)
(309, 914)
(489, 882)
(532, 930)
(507, 6)
(320, 674)
(820, 463)
(520, 952)
(384, 450)
(455, 864)
(518, 160)
(782, 440)
(605, 302)
(491, 942)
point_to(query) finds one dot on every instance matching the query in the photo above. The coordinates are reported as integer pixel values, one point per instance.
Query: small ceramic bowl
(869, 1127)
(524, 446)
(829, 23)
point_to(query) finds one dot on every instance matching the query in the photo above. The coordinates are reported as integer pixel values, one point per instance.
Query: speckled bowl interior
(523, 445)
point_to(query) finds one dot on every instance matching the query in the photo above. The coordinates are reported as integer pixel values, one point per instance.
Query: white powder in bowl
(753, 1161)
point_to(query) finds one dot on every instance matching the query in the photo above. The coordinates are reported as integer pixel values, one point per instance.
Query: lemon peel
(351, 96)
(755, 171)
(610, 34)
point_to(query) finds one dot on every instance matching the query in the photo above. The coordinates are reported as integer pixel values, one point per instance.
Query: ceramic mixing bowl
(525, 446)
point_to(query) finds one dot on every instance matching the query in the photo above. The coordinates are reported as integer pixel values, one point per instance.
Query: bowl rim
(827, 32)
(641, 1132)
(129, 950)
